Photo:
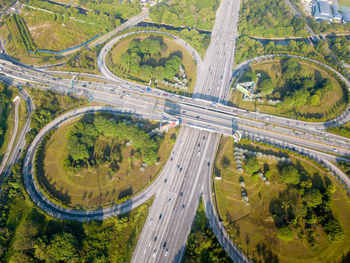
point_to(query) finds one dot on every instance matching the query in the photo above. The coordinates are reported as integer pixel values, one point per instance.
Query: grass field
(91, 187)
(173, 47)
(345, 3)
(51, 34)
(22, 56)
(252, 227)
(327, 107)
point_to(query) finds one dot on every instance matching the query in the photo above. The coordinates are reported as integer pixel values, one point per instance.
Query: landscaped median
(280, 206)
(154, 59)
(101, 160)
(293, 88)
(107, 173)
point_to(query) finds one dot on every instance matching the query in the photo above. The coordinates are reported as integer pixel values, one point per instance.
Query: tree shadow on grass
(266, 253)
(125, 193)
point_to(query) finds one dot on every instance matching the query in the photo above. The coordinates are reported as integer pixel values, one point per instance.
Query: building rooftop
(322, 11)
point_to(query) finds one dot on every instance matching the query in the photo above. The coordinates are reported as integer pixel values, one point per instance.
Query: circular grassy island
(280, 207)
(292, 88)
(156, 60)
(100, 160)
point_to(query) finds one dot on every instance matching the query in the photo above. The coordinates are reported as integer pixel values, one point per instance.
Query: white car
(154, 253)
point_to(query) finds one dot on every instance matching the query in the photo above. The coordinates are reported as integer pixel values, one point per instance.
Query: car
(169, 200)
(199, 152)
(208, 164)
(165, 180)
(155, 238)
(199, 144)
(160, 216)
(150, 221)
(181, 193)
(180, 169)
(178, 166)
(164, 244)
(197, 117)
(171, 159)
(166, 253)
(154, 253)
(183, 206)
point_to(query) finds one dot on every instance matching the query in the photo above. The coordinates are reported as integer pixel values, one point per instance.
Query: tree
(251, 165)
(171, 67)
(25, 236)
(285, 233)
(78, 152)
(289, 174)
(62, 247)
(313, 198)
(266, 86)
(314, 99)
(334, 230)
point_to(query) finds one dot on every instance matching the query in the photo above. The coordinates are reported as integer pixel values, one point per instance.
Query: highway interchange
(187, 175)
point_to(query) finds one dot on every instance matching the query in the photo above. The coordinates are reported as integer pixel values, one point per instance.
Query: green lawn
(90, 187)
(252, 227)
(329, 106)
(173, 47)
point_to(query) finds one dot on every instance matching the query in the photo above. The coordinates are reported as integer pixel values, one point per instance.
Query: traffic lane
(149, 233)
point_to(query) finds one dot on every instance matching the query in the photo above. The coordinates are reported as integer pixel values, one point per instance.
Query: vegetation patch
(154, 60)
(298, 213)
(340, 47)
(20, 33)
(345, 166)
(28, 235)
(327, 28)
(5, 102)
(202, 245)
(49, 105)
(294, 89)
(101, 159)
(343, 130)
(190, 13)
(53, 26)
(269, 18)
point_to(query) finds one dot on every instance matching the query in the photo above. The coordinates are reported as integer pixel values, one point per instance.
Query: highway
(186, 177)
(163, 238)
